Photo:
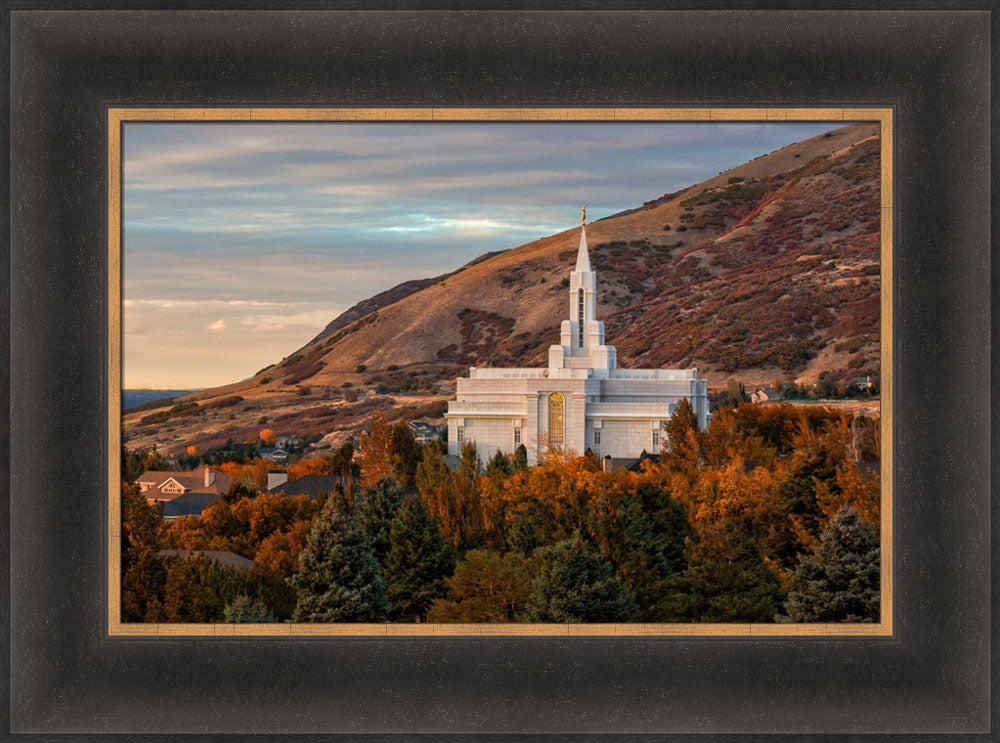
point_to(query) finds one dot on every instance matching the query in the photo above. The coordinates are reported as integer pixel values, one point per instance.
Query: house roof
(424, 426)
(188, 504)
(632, 464)
(311, 485)
(193, 481)
(224, 558)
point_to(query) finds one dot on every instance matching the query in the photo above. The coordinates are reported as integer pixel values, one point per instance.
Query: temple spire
(583, 254)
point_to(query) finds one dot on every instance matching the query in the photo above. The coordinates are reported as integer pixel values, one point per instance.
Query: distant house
(288, 442)
(312, 485)
(861, 383)
(162, 486)
(424, 432)
(274, 454)
(764, 394)
(223, 558)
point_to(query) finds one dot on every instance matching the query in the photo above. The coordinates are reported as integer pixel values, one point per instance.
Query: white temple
(581, 401)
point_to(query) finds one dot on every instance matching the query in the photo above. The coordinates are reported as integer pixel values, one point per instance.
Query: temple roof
(583, 255)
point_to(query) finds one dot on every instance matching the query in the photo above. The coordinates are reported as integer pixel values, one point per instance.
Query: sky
(241, 241)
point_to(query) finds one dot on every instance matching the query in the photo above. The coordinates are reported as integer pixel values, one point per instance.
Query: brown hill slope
(766, 271)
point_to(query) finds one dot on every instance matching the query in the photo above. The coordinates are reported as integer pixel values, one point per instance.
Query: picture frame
(67, 674)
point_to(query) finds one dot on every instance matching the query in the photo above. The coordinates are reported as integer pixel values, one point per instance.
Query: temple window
(557, 410)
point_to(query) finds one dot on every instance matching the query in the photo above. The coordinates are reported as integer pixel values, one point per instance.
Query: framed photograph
(354, 403)
(585, 495)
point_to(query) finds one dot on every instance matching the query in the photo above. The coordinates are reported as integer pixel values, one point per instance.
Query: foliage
(573, 585)
(388, 450)
(137, 461)
(454, 498)
(378, 508)
(711, 531)
(418, 562)
(839, 581)
(642, 535)
(487, 586)
(726, 580)
(339, 579)
(244, 610)
(143, 572)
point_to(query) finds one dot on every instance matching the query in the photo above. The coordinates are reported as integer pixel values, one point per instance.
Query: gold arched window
(579, 319)
(557, 418)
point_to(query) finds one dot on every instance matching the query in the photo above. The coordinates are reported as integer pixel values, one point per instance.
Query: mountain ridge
(769, 270)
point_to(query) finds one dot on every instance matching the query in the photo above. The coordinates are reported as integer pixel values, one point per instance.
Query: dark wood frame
(66, 675)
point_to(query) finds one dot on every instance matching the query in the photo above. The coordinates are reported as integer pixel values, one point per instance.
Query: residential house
(162, 486)
(861, 383)
(288, 443)
(764, 394)
(274, 454)
(312, 485)
(425, 432)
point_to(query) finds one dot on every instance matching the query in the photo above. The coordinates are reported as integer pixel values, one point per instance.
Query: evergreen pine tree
(573, 585)
(339, 579)
(244, 610)
(406, 454)
(726, 580)
(419, 561)
(519, 461)
(839, 582)
(380, 503)
(642, 535)
(144, 574)
(498, 466)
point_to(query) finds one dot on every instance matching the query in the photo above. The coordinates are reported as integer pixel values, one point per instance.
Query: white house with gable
(581, 401)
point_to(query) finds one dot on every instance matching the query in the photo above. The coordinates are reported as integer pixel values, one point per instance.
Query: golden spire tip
(583, 215)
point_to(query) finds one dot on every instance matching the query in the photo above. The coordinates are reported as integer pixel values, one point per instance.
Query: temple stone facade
(581, 401)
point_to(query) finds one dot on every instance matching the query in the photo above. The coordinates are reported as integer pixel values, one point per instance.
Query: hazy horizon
(241, 241)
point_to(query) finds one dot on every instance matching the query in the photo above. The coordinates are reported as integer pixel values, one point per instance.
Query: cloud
(218, 325)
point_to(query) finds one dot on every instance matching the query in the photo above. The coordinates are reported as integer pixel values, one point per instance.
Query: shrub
(360, 368)
(225, 402)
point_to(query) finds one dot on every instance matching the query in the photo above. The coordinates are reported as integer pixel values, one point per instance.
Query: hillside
(769, 270)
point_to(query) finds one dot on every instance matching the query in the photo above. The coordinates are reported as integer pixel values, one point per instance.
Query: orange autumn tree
(251, 475)
(375, 452)
(243, 526)
(267, 436)
(454, 499)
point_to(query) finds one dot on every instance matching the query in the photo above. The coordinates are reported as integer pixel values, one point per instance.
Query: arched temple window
(557, 417)
(579, 320)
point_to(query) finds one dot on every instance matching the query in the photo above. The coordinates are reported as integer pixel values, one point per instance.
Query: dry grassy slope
(741, 290)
